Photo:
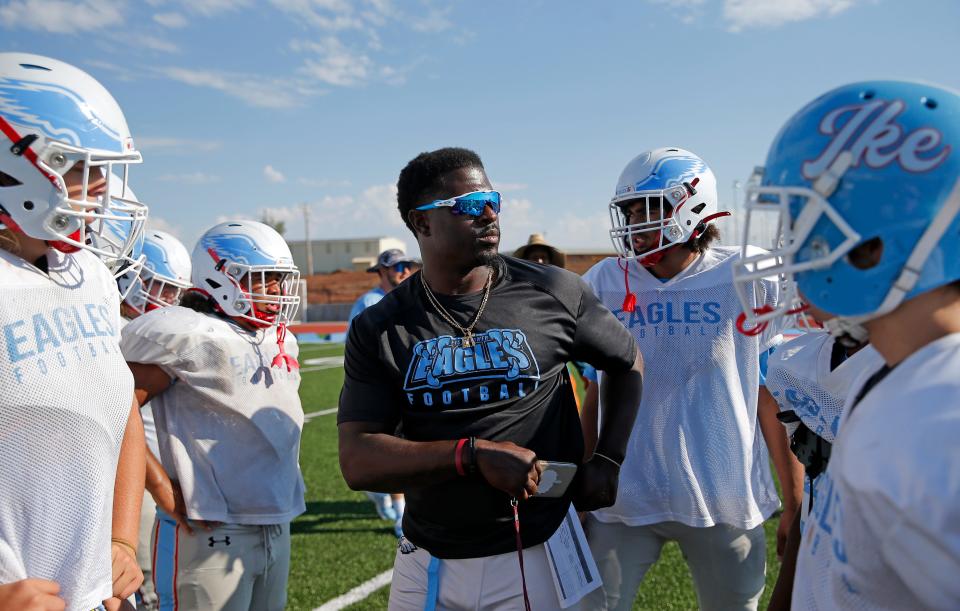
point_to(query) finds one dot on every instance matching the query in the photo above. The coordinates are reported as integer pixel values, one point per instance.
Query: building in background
(355, 254)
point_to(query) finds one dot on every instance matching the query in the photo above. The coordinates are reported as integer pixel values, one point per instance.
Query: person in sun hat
(539, 251)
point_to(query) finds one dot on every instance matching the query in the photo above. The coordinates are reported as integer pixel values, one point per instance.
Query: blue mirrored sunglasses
(469, 203)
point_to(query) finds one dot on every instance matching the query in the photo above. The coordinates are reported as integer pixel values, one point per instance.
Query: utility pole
(306, 230)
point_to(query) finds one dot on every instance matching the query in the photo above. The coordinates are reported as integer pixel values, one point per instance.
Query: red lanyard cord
(523, 576)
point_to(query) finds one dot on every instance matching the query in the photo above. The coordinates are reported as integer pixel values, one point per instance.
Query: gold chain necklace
(468, 341)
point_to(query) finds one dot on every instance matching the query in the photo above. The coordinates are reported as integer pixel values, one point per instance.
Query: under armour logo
(225, 540)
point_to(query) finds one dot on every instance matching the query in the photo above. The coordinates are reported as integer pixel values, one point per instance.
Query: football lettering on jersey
(662, 319)
(60, 337)
(498, 354)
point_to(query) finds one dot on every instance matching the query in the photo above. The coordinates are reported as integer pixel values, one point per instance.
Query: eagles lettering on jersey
(661, 319)
(499, 354)
(57, 338)
(826, 538)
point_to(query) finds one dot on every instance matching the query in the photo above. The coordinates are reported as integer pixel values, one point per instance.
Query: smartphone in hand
(555, 477)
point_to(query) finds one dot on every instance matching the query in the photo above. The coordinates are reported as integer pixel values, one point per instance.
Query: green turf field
(340, 543)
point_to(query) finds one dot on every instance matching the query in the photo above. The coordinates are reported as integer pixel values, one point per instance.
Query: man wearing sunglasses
(393, 266)
(469, 358)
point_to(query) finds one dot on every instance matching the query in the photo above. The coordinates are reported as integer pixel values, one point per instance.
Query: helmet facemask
(42, 204)
(254, 302)
(781, 219)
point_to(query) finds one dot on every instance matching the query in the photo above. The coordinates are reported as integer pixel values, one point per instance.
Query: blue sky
(246, 106)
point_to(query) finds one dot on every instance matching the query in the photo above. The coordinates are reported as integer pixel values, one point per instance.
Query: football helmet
(864, 184)
(119, 243)
(233, 258)
(164, 276)
(680, 193)
(53, 117)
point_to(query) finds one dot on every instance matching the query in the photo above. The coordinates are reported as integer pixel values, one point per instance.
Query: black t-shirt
(405, 366)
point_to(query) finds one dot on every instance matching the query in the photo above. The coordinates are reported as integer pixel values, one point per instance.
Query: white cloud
(62, 16)
(161, 224)
(688, 11)
(190, 178)
(163, 143)
(327, 15)
(171, 20)
(208, 8)
(154, 43)
(745, 14)
(436, 20)
(336, 64)
(252, 89)
(273, 175)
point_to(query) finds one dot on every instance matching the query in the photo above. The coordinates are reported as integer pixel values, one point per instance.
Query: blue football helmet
(864, 184)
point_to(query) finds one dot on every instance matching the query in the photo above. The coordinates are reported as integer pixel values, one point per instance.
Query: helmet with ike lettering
(863, 185)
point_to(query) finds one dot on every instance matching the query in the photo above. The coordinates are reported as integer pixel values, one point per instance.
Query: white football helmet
(680, 193)
(164, 276)
(54, 116)
(119, 243)
(232, 258)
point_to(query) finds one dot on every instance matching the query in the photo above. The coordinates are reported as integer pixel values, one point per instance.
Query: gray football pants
(727, 563)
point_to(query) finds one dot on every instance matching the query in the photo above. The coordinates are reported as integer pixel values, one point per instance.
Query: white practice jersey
(65, 394)
(229, 425)
(800, 379)
(885, 527)
(696, 455)
(146, 414)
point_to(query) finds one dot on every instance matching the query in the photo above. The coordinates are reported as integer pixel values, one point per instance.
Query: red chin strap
(760, 328)
(654, 258)
(63, 247)
(282, 357)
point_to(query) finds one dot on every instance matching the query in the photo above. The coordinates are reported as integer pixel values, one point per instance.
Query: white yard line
(323, 412)
(357, 594)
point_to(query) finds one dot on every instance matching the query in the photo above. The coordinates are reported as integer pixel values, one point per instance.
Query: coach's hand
(595, 485)
(508, 467)
(31, 595)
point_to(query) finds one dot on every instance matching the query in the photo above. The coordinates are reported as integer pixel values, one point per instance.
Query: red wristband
(458, 457)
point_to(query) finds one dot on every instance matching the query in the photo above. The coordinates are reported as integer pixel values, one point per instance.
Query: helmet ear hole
(8, 181)
(698, 208)
(866, 255)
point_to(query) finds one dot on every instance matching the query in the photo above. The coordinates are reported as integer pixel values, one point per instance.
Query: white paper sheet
(574, 571)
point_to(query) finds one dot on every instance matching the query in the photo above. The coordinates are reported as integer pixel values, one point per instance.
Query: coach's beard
(487, 243)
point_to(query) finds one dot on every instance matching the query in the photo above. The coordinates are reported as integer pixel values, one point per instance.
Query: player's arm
(783, 590)
(620, 395)
(127, 498)
(788, 468)
(149, 381)
(603, 342)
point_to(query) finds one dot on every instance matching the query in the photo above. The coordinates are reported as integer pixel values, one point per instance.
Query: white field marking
(324, 362)
(323, 412)
(357, 594)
